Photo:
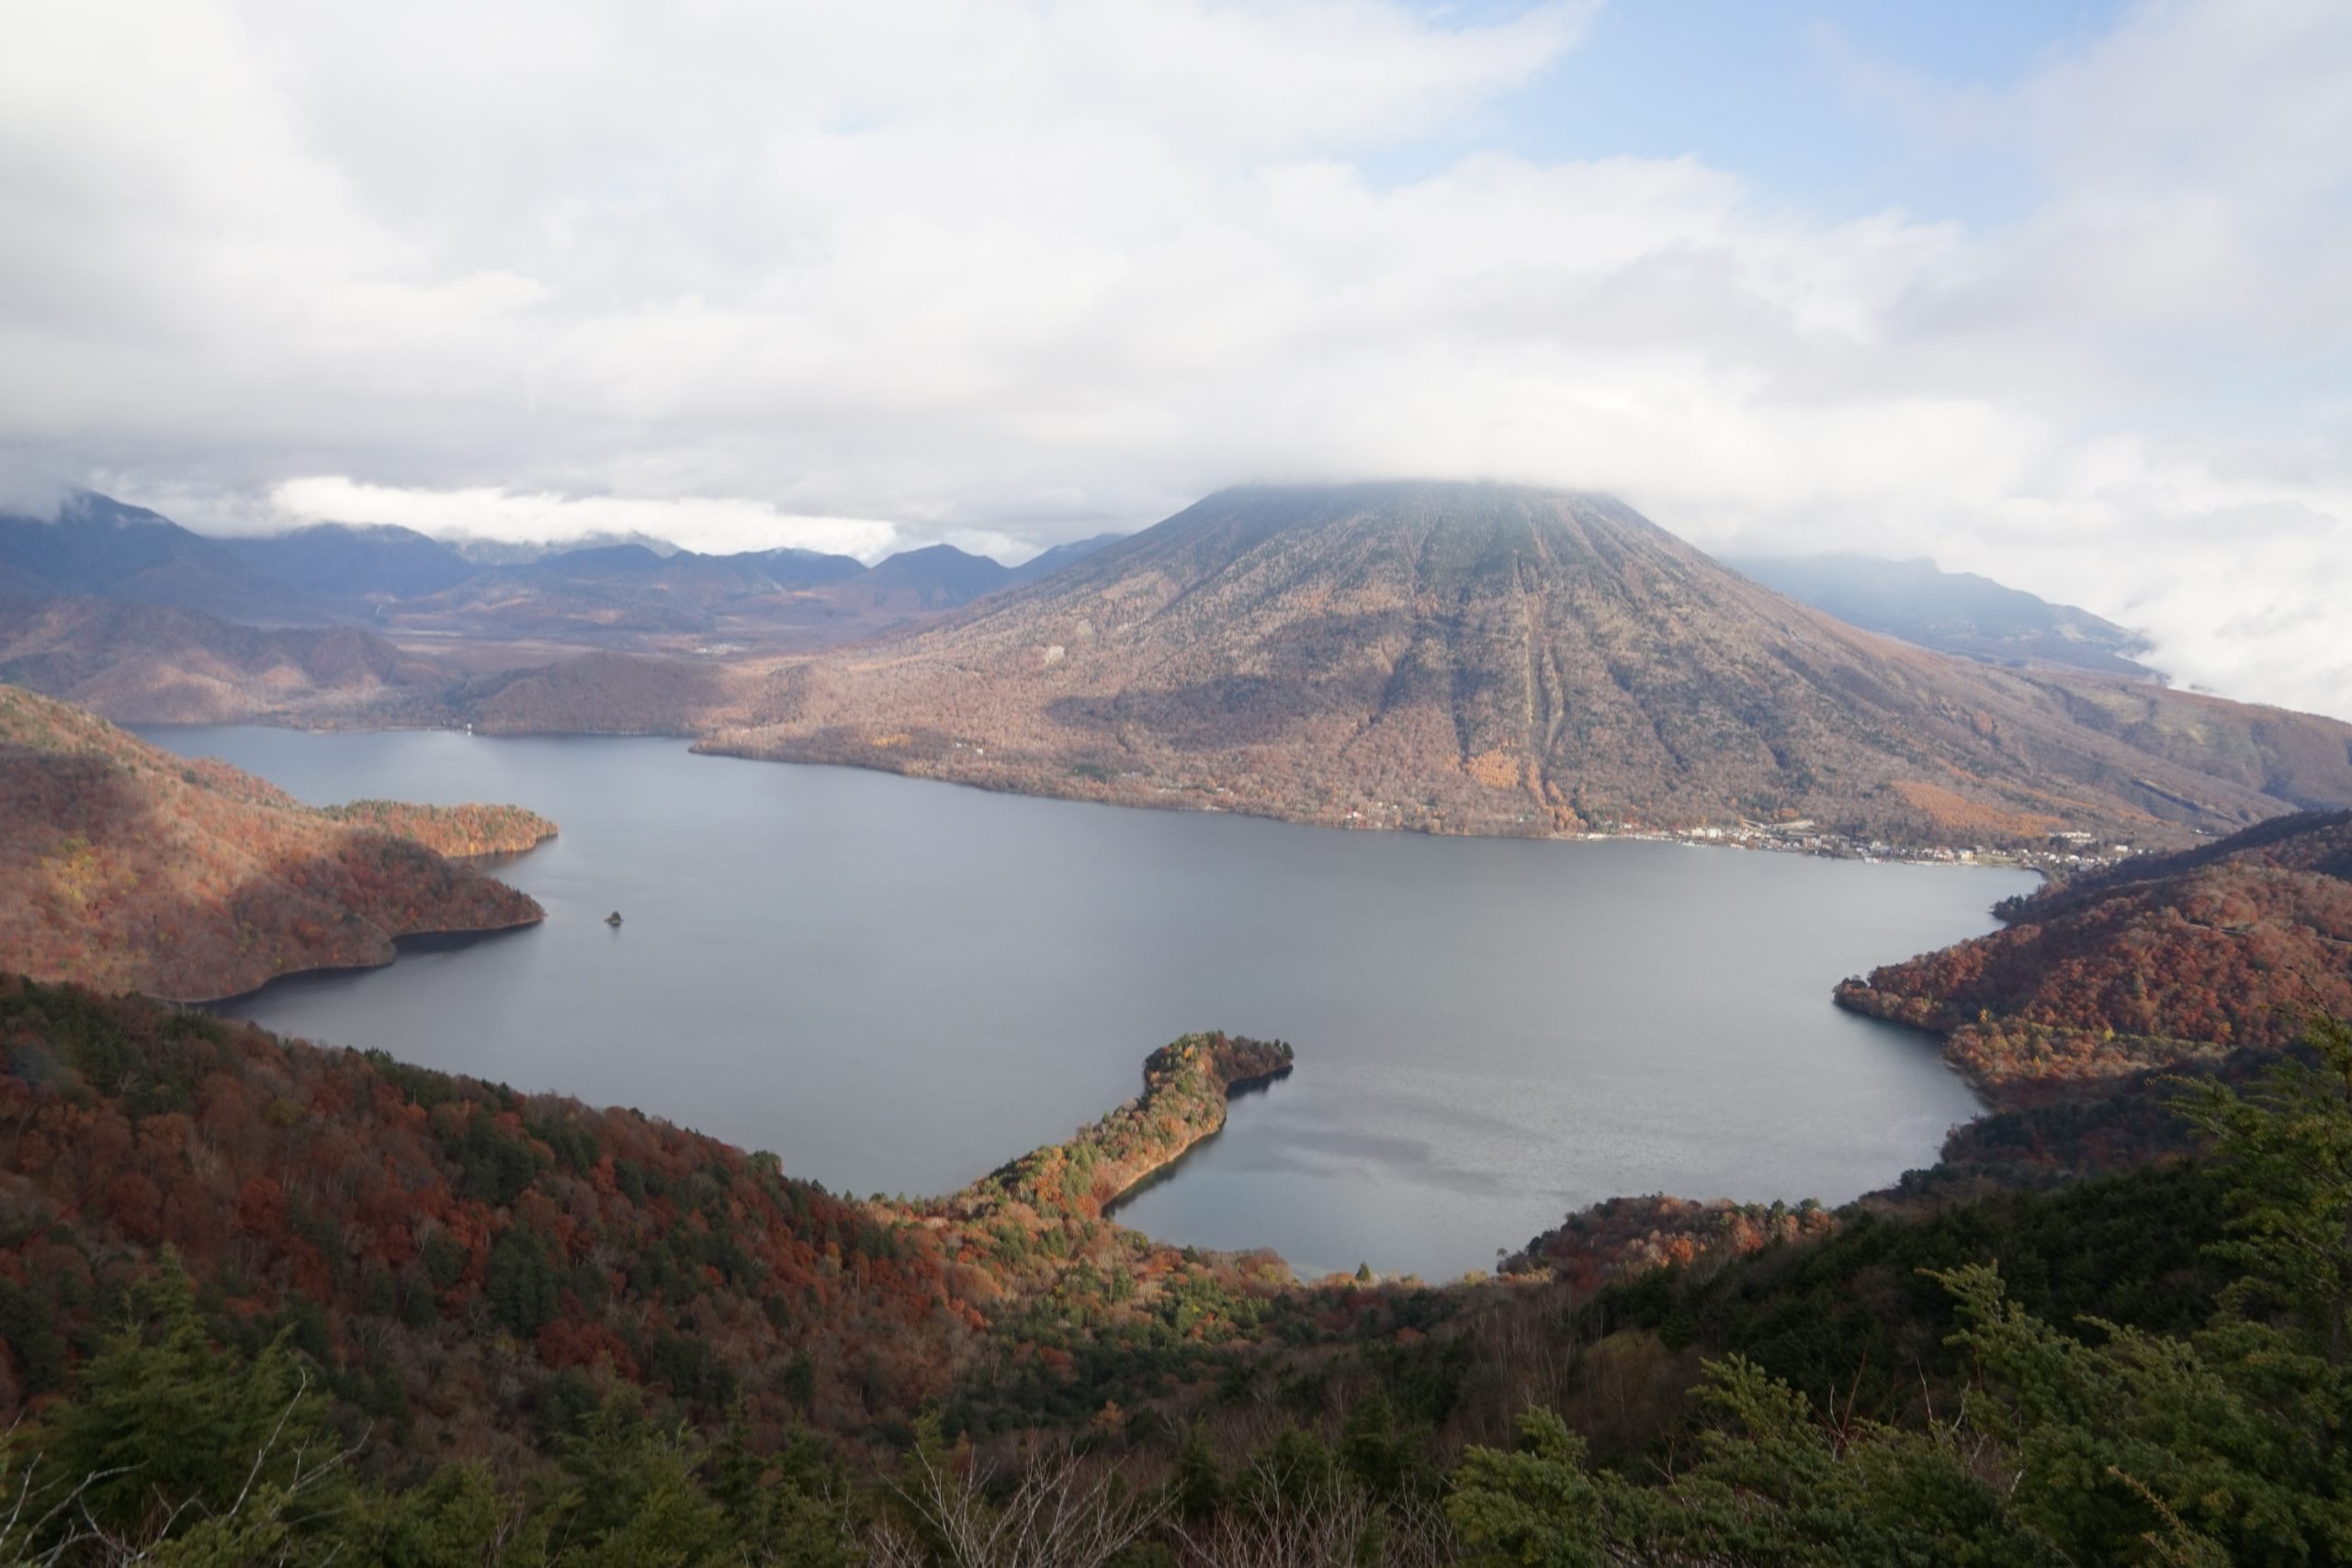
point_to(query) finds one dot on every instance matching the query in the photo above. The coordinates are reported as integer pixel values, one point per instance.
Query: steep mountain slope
(2156, 962)
(1953, 612)
(1052, 560)
(124, 867)
(1487, 659)
(157, 664)
(98, 546)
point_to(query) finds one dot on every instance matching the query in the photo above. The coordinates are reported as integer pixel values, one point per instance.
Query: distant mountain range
(1487, 659)
(1955, 612)
(628, 592)
(101, 548)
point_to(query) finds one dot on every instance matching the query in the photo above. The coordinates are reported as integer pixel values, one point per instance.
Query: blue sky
(1825, 109)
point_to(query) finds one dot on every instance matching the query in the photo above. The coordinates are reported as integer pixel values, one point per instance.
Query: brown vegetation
(125, 867)
(457, 1255)
(1622, 1237)
(476, 1264)
(1185, 1086)
(155, 664)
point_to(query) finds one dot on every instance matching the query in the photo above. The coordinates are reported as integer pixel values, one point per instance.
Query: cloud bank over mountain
(856, 278)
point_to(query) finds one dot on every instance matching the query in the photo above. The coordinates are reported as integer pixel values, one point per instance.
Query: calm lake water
(896, 985)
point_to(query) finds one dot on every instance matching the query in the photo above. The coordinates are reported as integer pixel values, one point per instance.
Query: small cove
(898, 986)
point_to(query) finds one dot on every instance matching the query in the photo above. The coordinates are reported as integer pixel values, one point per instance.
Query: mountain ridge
(1953, 611)
(630, 592)
(1498, 659)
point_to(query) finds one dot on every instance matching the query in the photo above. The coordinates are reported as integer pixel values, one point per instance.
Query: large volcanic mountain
(1489, 659)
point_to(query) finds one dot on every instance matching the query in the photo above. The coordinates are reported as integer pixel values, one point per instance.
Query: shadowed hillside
(125, 867)
(1484, 658)
(98, 546)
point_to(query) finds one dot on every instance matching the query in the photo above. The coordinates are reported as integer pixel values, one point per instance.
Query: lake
(897, 985)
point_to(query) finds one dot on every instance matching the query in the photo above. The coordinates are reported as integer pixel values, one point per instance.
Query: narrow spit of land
(1186, 1084)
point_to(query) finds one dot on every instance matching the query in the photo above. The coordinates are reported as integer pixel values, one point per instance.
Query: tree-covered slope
(125, 867)
(414, 1319)
(2159, 960)
(458, 1259)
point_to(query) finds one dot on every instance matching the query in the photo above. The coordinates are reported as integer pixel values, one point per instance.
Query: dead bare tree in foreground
(1062, 1514)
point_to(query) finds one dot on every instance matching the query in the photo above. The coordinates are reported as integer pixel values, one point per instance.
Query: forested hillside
(263, 1302)
(125, 867)
(457, 1259)
(2161, 961)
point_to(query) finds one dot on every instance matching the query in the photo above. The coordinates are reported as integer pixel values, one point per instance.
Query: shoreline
(1187, 1086)
(1815, 843)
(422, 934)
(1166, 1170)
(711, 743)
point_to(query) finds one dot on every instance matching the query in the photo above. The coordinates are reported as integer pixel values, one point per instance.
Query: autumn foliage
(1622, 1237)
(1488, 659)
(458, 1255)
(126, 868)
(2162, 961)
(1186, 1084)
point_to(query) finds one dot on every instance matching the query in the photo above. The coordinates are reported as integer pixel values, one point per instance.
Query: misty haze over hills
(1957, 612)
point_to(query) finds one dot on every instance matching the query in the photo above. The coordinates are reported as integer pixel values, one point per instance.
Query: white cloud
(714, 526)
(1017, 271)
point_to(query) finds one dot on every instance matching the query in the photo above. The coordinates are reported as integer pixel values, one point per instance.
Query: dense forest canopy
(2161, 962)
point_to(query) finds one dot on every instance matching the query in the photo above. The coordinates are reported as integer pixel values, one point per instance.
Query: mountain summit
(1492, 658)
